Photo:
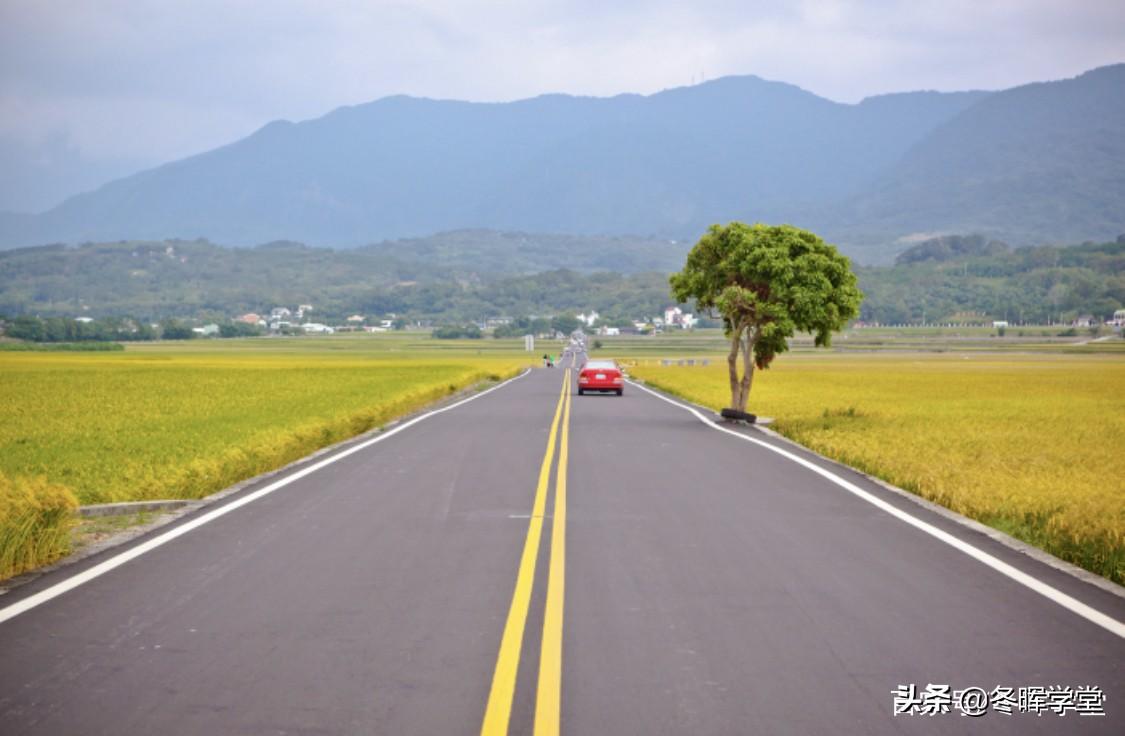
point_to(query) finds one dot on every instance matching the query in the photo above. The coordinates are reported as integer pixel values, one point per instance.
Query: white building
(206, 330)
(676, 317)
(317, 328)
(588, 319)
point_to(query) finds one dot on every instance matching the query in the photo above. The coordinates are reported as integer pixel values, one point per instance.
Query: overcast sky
(136, 82)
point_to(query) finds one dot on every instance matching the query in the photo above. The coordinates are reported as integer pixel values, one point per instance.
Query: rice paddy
(165, 424)
(167, 421)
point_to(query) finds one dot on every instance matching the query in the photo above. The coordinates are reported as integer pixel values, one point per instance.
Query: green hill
(1039, 163)
(476, 275)
(157, 279)
(1038, 284)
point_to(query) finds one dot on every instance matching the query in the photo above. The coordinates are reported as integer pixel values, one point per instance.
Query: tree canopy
(767, 282)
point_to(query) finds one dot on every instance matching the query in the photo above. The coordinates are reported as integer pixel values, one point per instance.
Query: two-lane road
(595, 565)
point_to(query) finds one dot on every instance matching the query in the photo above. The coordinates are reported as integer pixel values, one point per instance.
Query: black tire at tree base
(742, 416)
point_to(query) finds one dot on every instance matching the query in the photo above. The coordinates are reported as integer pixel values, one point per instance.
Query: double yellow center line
(549, 690)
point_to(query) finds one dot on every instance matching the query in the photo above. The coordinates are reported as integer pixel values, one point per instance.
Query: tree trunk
(742, 341)
(747, 367)
(732, 366)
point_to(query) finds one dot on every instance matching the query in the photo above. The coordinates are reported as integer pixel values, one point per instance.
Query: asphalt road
(707, 586)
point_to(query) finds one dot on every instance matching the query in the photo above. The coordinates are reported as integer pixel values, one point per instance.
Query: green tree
(59, 329)
(145, 331)
(565, 323)
(26, 327)
(174, 330)
(540, 325)
(238, 329)
(767, 282)
(454, 332)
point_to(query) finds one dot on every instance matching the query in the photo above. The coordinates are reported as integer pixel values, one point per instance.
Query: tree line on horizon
(935, 281)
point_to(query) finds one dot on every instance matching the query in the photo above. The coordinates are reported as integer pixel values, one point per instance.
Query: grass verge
(35, 521)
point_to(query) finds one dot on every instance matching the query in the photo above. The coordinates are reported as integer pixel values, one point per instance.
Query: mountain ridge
(1073, 190)
(663, 165)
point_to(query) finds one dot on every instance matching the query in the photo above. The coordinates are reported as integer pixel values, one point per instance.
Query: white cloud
(157, 80)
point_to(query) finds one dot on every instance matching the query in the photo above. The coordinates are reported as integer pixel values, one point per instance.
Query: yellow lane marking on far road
(549, 693)
(499, 709)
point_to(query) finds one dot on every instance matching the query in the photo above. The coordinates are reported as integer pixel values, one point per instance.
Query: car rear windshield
(601, 364)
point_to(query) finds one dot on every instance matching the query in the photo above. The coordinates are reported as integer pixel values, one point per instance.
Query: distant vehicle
(601, 375)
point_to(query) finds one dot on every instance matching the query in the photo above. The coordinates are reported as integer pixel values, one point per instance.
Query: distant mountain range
(1037, 163)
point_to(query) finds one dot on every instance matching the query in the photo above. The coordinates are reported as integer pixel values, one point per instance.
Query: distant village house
(676, 317)
(588, 319)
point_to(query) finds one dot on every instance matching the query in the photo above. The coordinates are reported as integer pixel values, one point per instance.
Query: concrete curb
(994, 534)
(129, 507)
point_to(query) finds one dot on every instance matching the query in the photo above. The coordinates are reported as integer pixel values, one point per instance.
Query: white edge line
(118, 560)
(1068, 602)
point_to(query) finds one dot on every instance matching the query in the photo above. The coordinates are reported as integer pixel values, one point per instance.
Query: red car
(601, 375)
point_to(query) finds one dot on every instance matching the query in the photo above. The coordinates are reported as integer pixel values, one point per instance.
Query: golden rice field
(161, 422)
(1033, 445)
